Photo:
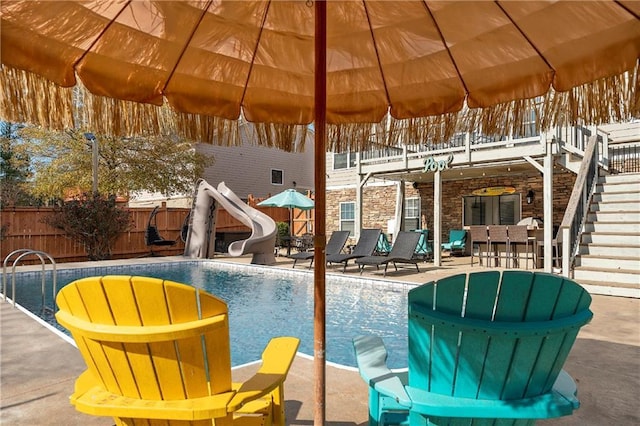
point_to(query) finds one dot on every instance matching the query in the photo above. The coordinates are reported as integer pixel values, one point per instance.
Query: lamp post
(94, 154)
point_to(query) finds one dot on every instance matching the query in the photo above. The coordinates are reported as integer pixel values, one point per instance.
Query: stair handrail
(572, 226)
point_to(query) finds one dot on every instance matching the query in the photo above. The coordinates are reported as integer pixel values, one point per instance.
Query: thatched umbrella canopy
(418, 69)
(382, 70)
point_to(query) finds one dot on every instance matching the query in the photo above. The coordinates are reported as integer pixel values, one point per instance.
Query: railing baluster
(624, 159)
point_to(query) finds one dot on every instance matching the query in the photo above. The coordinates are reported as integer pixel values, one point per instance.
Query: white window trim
(350, 156)
(281, 172)
(418, 214)
(340, 220)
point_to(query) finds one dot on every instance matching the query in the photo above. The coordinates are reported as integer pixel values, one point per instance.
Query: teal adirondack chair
(483, 346)
(457, 241)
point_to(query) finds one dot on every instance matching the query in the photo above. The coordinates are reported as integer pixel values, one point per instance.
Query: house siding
(340, 178)
(247, 169)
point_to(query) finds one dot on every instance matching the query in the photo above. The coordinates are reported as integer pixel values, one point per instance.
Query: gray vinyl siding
(340, 178)
(247, 169)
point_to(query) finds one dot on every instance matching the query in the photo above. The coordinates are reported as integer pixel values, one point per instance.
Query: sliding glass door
(496, 210)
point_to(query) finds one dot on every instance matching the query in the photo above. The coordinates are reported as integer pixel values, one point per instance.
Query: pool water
(266, 302)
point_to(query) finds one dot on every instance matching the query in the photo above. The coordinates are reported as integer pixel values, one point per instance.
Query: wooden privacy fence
(24, 228)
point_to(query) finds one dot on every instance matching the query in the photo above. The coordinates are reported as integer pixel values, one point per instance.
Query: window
(277, 177)
(411, 214)
(345, 160)
(528, 126)
(498, 210)
(348, 217)
(529, 123)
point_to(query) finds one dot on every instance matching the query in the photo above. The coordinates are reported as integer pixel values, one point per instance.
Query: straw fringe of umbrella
(607, 100)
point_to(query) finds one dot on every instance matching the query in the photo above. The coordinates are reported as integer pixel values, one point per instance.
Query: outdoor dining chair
(383, 246)
(499, 247)
(519, 239)
(425, 247)
(479, 240)
(556, 249)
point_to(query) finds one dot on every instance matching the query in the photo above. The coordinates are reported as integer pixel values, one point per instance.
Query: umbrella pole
(319, 269)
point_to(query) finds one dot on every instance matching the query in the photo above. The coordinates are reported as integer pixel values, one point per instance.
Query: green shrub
(93, 221)
(283, 233)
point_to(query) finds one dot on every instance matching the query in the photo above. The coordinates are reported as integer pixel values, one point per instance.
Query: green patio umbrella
(291, 199)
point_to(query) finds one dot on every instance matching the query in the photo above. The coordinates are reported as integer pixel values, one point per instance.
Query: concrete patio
(38, 368)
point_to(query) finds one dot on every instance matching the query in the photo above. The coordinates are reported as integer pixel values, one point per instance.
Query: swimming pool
(265, 302)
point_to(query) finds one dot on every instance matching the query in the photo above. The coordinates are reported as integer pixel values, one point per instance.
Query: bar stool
(519, 236)
(479, 238)
(556, 250)
(498, 237)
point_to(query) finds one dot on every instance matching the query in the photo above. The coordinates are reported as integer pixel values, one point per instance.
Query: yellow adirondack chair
(157, 352)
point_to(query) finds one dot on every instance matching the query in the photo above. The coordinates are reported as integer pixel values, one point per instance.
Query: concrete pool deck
(38, 367)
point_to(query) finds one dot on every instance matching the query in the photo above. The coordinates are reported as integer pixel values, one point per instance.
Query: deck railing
(624, 158)
(572, 139)
(461, 142)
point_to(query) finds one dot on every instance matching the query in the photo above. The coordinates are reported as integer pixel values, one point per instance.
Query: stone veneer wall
(453, 191)
(379, 201)
(379, 205)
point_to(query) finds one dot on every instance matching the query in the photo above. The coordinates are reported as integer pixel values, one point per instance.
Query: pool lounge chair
(457, 242)
(402, 251)
(159, 350)
(365, 247)
(485, 348)
(334, 246)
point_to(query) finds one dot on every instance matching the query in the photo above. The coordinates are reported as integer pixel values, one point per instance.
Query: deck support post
(437, 219)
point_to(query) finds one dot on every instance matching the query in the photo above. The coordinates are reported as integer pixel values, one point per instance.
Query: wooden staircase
(608, 260)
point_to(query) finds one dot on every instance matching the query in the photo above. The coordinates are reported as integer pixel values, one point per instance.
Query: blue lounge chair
(425, 247)
(457, 242)
(364, 247)
(384, 246)
(334, 246)
(482, 347)
(403, 251)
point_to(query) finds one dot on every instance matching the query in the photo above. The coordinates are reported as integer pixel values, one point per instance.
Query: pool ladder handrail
(26, 252)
